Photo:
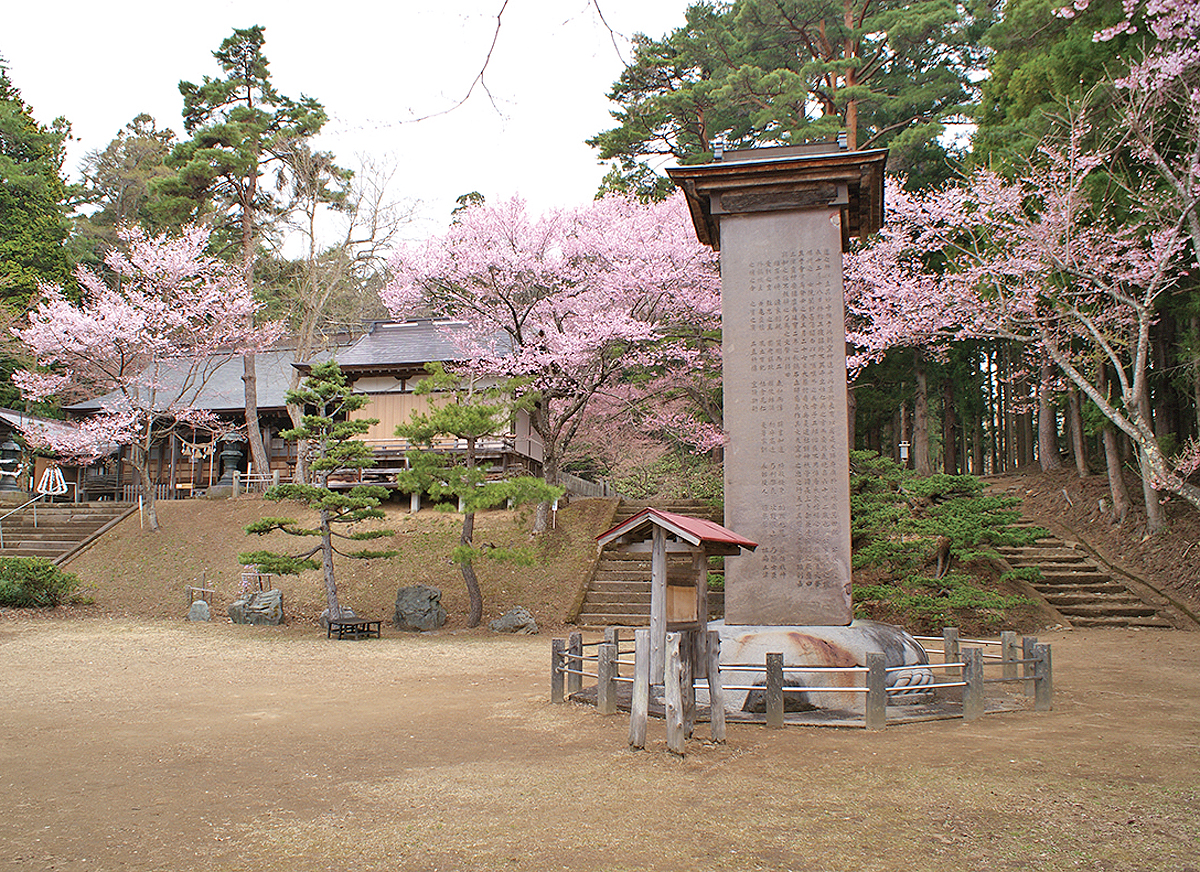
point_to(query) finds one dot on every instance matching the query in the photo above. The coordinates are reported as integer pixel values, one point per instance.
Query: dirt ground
(155, 745)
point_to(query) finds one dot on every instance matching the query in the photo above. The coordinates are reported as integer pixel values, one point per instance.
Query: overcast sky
(375, 65)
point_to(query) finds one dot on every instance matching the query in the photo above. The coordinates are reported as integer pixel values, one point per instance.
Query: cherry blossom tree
(567, 301)
(896, 301)
(1040, 261)
(147, 346)
(1158, 101)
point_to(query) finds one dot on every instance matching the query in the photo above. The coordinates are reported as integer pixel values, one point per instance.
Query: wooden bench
(353, 628)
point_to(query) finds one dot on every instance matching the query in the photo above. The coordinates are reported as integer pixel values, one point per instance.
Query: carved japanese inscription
(786, 470)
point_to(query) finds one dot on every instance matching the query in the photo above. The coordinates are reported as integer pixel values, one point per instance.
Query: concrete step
(1121, 621)
(619, 608)
(640, 586)
(604, 619)
(595, 597)
(1106, 588)
(1043, 555)
(1123, 598)
(1084, 593)
(1103, 610)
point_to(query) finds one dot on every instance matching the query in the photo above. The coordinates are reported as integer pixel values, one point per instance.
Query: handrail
(33, 502)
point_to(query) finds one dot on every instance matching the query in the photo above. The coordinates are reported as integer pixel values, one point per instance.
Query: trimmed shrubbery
(34, 582)
(921, 547)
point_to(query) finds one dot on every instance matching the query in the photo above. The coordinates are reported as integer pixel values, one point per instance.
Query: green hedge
(34, 582)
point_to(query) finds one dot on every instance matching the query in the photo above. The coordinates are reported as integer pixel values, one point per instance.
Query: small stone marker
(199, 611)
(264, 607)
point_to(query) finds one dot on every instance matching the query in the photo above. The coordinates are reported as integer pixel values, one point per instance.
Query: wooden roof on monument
(784, 178)
(693, 531)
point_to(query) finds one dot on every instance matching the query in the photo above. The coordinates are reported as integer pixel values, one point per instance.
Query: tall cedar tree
(116, 180)
(330, 435)
(759, 72)
(240, 128)
(470, 413)
(33, 225)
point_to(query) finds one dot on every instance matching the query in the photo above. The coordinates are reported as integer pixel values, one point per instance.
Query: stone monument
(781, 218)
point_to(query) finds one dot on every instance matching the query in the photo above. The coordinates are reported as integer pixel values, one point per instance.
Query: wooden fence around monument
(960, 679)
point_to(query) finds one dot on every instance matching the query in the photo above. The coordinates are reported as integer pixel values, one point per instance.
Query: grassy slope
(136, 573)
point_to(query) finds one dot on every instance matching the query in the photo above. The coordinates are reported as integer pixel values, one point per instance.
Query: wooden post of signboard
(658, 605)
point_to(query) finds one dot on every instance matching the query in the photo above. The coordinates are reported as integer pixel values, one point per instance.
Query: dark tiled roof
(399, 344)
(225, 391)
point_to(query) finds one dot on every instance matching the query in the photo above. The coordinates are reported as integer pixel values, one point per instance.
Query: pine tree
(471, 412)
(330, 433)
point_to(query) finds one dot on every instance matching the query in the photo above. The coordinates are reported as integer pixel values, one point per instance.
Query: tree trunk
(1048, 455)
(139, 460)
(541, 522)
(920, 440)
(1196, 369)
(1117, 488)
(296, 416)
(1024, 423)
(1075, 420)
(331, 593)
(1155, 520)
(949, 428)
(851, 415)
(258, 451)
(475, 612)
(466, 540)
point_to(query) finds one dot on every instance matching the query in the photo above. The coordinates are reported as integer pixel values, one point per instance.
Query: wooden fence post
(716, 694)
(673, 677)
(639, 707)
(1043, 679)
(875, 714)
(774, 690)
(606, 685)
(973, 701)
(574, 663)
(1028, 643)
(1008, 654)
(556, 666)
(687, 681)
(950, 652)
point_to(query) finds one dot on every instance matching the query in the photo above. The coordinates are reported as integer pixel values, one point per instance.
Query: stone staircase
(1084, 592)
(619, 591)
(62, 528)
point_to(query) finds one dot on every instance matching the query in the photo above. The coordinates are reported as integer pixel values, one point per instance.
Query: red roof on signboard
(695, 530)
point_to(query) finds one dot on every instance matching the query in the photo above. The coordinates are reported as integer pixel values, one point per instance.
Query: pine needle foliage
(921, 536)
(471, 411)
(330, 433)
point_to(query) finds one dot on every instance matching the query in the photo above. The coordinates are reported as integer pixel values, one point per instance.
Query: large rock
(261, 607)
(199, 611)
(518, 620)
(419, 608)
